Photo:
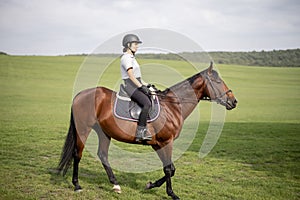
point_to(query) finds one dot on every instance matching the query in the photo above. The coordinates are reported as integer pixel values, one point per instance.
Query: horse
(93, 109)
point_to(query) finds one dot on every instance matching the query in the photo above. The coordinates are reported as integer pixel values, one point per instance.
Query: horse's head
(216, 89)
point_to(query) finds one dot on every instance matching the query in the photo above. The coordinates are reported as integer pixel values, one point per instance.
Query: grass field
(257, 156)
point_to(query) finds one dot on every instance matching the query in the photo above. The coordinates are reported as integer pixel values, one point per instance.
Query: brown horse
(93, 109)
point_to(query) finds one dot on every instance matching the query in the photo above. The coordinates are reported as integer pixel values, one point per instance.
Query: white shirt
(127, 61)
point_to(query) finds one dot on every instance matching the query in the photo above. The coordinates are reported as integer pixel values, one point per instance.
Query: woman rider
(138, 92)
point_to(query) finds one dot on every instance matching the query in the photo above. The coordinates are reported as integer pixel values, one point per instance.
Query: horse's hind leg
(83, 132)
(77, 157)
(104, 142)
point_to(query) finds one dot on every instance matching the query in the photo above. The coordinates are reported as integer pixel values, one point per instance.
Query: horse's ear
(210, 68)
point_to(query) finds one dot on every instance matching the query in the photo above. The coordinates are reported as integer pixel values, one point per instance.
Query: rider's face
(134, 46)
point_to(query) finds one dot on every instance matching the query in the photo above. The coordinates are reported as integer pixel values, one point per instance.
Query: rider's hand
(144, 89)
(152, 87)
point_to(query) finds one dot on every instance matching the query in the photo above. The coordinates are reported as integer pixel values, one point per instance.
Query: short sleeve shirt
(128, 61)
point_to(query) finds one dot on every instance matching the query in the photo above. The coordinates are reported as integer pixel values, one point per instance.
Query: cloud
(59, 27)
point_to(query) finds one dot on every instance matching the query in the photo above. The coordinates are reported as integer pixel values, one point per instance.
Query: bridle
(218, 98)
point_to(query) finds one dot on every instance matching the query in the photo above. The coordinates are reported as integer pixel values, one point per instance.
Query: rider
(138, 92)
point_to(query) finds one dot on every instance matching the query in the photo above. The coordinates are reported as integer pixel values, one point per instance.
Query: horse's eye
(218, 80)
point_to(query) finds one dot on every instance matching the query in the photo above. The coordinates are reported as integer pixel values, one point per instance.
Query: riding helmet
(129, 38)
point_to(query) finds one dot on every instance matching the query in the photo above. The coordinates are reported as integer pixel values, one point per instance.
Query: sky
(53, 27)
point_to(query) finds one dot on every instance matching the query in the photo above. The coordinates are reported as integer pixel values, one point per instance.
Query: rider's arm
(132, 78)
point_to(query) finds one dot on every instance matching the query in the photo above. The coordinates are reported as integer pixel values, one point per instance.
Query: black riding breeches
(144, 102)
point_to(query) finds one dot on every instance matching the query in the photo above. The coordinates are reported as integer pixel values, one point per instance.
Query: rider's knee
(147, 104)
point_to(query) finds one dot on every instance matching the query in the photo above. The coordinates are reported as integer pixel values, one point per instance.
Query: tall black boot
(141, 134)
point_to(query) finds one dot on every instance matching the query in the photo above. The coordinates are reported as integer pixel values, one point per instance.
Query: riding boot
(141, 134)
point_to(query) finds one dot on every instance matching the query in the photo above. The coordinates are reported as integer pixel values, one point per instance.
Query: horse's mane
(189, 80)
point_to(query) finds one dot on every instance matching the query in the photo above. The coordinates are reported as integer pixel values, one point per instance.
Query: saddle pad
(122, 109)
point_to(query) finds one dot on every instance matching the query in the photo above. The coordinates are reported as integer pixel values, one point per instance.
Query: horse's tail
(69, 148)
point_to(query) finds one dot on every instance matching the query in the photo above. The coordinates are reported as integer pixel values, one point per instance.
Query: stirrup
(141, 134)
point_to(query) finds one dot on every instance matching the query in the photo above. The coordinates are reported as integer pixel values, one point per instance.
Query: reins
(217, 99)
(181, 99)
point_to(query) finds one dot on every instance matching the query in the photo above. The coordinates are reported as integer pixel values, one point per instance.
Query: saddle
(126, 109)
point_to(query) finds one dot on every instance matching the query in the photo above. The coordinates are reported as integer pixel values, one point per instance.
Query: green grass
(256, 157)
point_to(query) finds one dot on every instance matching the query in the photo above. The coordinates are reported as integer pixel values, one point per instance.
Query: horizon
(87, 54)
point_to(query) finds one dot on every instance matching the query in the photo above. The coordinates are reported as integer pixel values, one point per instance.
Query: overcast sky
(52, 27)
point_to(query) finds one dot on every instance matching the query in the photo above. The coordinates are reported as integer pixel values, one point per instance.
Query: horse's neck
(186, 97)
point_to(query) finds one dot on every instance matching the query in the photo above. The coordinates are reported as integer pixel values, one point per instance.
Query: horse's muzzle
(231, 103)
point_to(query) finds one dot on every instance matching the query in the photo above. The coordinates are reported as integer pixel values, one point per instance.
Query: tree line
(275, 58)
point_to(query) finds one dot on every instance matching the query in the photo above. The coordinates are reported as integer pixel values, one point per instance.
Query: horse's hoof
(78, 188)
(77, 191)
(117, 189)
(148, 186)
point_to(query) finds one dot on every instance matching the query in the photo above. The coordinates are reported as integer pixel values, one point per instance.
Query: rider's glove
(145, 89)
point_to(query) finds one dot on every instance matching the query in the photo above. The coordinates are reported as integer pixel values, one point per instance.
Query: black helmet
(129, 38)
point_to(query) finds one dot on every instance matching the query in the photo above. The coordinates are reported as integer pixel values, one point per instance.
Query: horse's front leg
(169, 171)
(157, 183)
(165, 154)
(161, 181)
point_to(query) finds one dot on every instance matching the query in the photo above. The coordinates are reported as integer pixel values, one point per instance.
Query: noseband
(218, 99)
